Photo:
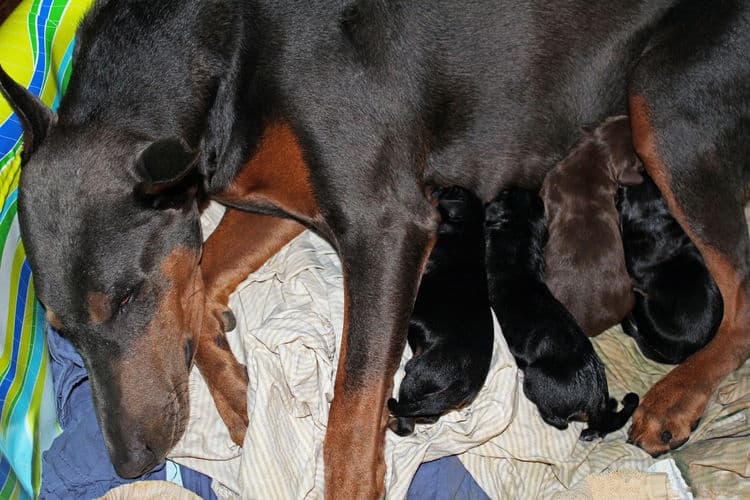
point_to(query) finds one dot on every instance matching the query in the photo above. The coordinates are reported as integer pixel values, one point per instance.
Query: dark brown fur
(585, 259)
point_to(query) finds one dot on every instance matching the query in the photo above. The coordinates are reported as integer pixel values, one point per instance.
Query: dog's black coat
(384, 98)
(563, 375)
(678, 306)
(450, 329)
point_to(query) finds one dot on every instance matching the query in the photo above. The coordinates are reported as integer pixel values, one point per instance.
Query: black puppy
(563, 375)
(450, 330)
(678, 306)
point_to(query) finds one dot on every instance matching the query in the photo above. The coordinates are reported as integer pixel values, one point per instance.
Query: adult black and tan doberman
(356, 106)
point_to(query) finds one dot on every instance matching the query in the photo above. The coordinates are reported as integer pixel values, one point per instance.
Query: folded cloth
(149, 490)
(290, 315)
(623, 485)
(443, 479)
(289, 320)
(78, 464)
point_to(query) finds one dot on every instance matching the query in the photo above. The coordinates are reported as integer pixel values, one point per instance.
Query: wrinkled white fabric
(290, 315)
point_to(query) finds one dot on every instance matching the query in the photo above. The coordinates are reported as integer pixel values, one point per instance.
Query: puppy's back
(563, 376)
(678, 304)
(450, 330)
(584, 255)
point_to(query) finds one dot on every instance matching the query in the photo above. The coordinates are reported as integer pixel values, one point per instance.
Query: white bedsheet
(289, 328)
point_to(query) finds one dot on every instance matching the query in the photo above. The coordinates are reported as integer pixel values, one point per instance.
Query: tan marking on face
(53, 320)
(99, 307)
(153, 376)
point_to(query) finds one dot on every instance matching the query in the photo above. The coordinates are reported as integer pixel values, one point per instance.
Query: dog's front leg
(383, 260)
(239, 246)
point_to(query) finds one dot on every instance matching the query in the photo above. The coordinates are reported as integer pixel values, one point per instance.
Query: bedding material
(77, 465)
(289, 327)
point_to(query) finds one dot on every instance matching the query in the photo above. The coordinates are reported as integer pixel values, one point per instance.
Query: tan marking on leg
(362, 413)
(679, 399)
(241, 243)
(276, 174)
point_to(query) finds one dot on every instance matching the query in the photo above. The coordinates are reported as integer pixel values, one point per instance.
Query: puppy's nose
(134, 463)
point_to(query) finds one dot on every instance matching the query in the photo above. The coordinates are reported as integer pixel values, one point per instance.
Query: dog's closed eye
(126, 299)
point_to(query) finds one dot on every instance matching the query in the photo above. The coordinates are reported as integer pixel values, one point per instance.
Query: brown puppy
(584, 254)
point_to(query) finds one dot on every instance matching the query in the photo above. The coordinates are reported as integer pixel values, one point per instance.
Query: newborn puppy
(678, 306)
(584, 255)
(563, 375)
(450, 330)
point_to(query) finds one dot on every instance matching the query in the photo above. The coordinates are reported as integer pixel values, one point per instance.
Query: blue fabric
(444, 479)
(78, 465)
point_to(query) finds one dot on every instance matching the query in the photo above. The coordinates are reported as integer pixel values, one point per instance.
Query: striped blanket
(36, 44)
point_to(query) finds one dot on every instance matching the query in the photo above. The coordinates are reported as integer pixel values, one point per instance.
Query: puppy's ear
(629, 171)
(35, 117)
(169, 172)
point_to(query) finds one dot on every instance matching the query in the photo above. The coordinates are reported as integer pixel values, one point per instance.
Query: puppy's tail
(610, 420)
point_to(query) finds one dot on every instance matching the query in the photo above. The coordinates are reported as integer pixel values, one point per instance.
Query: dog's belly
(511, 102)
(495, 92)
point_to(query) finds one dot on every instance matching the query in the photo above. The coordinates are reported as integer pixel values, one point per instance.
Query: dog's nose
(135, 463)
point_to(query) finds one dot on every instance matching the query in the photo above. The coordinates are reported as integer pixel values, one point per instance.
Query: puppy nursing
(678, 306)
(563, 375)
(450, 330)
(585, 245)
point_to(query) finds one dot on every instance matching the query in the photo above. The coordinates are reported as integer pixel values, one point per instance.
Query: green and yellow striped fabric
(36, 44)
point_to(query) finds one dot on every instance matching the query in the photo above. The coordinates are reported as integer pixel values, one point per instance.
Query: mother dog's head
(109, 204)
(115, 254)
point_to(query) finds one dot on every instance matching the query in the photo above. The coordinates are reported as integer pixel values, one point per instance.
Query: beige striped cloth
(290, 314)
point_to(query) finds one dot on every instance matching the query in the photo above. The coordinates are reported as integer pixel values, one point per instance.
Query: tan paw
(667, 415)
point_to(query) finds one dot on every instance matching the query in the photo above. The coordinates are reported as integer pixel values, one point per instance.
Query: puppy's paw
(392, 405)
(590, 435)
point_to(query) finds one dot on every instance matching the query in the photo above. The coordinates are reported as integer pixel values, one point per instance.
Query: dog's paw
(231, 401)
(667, 415)
(590, 435)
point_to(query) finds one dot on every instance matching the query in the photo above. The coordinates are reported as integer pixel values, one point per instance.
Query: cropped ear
(36, 118)
(169, 173)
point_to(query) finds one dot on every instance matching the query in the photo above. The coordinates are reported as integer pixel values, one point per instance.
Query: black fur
(384, 98)
(678, 306)
(450, 329)
(563, 376)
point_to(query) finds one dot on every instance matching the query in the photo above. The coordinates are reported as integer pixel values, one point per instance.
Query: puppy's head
(615, 138)
(110, 225)
(518, 214)
(458, 208)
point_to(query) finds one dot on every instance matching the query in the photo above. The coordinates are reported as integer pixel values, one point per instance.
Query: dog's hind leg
(689, 109)
(240, 245)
